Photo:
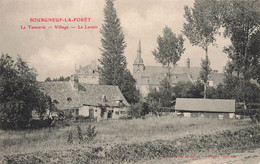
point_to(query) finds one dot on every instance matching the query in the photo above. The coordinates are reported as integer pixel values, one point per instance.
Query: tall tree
(241, 20)
(19, 93)
(113, 62)
(201, 27)
(169, 50)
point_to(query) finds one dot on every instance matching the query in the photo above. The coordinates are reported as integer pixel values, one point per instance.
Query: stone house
(87, 100)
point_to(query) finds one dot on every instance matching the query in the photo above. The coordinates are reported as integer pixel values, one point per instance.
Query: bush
(139, 109)
(91, 133)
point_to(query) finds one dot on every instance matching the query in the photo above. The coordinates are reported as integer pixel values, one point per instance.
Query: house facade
(87, 100)
(88, 74)
(150, 76)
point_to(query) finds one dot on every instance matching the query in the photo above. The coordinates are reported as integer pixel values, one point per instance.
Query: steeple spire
(138, 59)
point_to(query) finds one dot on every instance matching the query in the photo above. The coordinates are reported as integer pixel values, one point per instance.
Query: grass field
(131, 136)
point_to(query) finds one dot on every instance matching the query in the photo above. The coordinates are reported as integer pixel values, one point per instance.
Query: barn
(212, 108)
(87, 100)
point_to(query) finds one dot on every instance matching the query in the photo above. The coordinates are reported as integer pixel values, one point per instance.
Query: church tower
(138, 67)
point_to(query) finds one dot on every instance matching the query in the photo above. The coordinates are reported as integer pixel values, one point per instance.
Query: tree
(241, 20)
(48, 79)
(169, 50)
(129, 89)
(167, 94)
(201, 27)
(188, 90)
(164, 97)
(113, 62)
(19, 93)
(204, 74)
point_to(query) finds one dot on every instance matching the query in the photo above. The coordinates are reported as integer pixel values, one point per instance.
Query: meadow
(137, 139)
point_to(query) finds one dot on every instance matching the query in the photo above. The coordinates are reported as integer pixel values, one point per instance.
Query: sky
(55, 52)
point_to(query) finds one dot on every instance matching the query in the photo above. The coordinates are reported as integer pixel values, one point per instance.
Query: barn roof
(88, 94)
(205, 105)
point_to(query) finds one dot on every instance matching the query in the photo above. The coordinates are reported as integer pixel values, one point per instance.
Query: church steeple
(138, 59)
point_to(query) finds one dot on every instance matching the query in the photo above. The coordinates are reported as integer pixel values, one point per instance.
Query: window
(117, 112)
(122, 112)
(55, 102)
(96, 110)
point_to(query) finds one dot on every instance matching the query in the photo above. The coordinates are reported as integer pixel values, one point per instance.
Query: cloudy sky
(54, 52)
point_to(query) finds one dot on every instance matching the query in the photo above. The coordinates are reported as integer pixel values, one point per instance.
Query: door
(91, 113)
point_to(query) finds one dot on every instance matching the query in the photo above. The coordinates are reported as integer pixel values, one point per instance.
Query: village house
(150, 76)
(88, 74)
(212, 108)
(87, 100)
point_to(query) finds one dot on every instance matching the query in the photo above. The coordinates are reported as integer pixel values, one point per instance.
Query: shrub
(139, 109)
(70, 138)
(80, 134)
(91, 133)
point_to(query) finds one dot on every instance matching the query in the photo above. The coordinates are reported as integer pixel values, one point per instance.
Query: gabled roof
(89, 94)
(93, 94)
(60, 91)
(156, 74)
(205, 105)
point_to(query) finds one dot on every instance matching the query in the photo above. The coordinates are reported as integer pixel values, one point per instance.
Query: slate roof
(217, 78)
(156, 74)
(93, 94)
(89, 94)
(205, 105)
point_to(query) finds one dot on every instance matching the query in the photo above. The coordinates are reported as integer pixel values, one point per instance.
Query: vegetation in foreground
(130, 140)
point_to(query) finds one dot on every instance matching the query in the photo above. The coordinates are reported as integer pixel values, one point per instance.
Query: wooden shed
(206, 107)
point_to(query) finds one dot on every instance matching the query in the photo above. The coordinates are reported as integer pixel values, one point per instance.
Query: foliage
(222, 143)
(241, 20)
(80, 134)
(139, 109)
(164, 96)
(61, 78)
(91, 133)
(188, 90)
(202, 23)
(161, 100)
(204, 73)
(113, 62)
(169, 50)
(167, 94)
(19, 93)
(128, 88)
(70, 137)
(237, 88)
(48, 79)
(201, 27)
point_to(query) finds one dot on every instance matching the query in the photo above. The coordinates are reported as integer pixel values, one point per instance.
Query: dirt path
(249, 156)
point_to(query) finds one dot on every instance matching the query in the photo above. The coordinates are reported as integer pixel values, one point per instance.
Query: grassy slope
(130, 133)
